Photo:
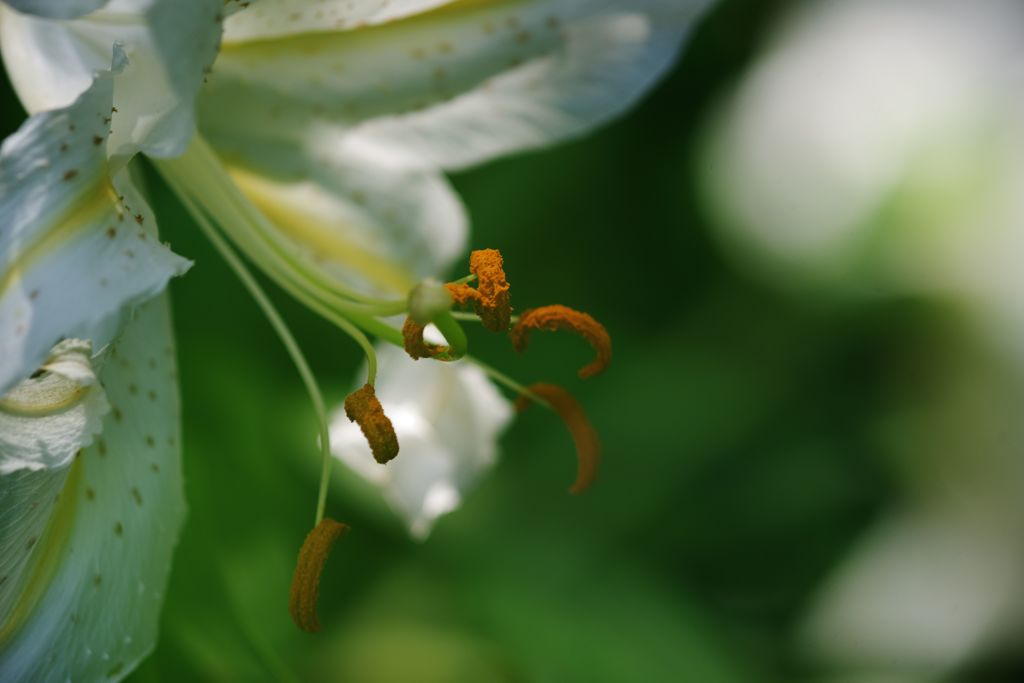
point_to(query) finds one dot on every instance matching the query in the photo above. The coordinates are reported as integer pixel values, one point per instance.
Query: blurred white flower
(877, 148)
(448, 417)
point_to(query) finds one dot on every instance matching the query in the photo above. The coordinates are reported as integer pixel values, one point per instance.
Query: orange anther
(588, 446)
(306, 580)
(559, 317)
(412, 333)
(490, 299)
(463, 295)
(494, 303)
(363, 408)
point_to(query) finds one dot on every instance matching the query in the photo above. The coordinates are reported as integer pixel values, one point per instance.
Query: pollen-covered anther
(558, 317)
(462, 294)
(491, 299)
(363, 408)
(588, 446)
(415, 346)
(310, 566)
(494, 305)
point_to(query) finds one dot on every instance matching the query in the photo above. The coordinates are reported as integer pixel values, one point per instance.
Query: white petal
(56, 9)
(169, 45)
(77, 246)
(921, 593)
(89, 609)
(275, 18)
(44, 422)
(448, 417)
(46, 419)
(604, 64)
(451, 87)
(825, 139)
(375, 228)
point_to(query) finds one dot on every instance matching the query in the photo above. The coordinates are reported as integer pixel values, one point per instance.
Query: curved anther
(416, 347)
(462, 294)
(588, 446)
(491, 299)
(557, 317)
(310, 566)
(363, 408)
(494, 303)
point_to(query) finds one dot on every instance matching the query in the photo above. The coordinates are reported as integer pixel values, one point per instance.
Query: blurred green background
(751, 437)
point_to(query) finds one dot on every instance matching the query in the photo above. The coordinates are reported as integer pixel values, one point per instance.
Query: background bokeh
(754, 437)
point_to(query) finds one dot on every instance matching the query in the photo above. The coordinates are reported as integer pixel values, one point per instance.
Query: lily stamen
(558, 317)
(313, 555)
(415, 345)
(490, 299)
(363, 408)
(494, 305)
(588, 446)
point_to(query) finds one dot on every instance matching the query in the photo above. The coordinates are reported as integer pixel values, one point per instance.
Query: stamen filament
(281, 328)
(206, 159)
(503, 379)
(453, 333)
(469, 316)
(198, 171)
(301, 283)
(585, 439)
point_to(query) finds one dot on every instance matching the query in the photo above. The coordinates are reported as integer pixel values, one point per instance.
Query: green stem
(473, 317)
(257, 293)
(502, 378)
(453, 333)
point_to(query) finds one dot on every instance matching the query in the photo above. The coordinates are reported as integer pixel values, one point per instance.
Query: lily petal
(275, 18)
(77, 246)
(44, 422)
(170, 44)
(450, 87)
(925, 590)
(88, 607)
(56, 9)
(373, 227)
(448, 417)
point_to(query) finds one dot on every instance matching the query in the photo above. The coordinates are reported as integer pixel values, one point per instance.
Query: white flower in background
(325, 128)
(877, 148)
(448, 417)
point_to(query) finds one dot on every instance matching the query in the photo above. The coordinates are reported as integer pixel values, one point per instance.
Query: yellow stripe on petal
(45, 556)
(307, 218)
(91, 606)
(84, 212)
(78, 243)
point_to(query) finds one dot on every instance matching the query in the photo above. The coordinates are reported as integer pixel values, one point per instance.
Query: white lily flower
(325, 130)
(448, 417)
(386, 100)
